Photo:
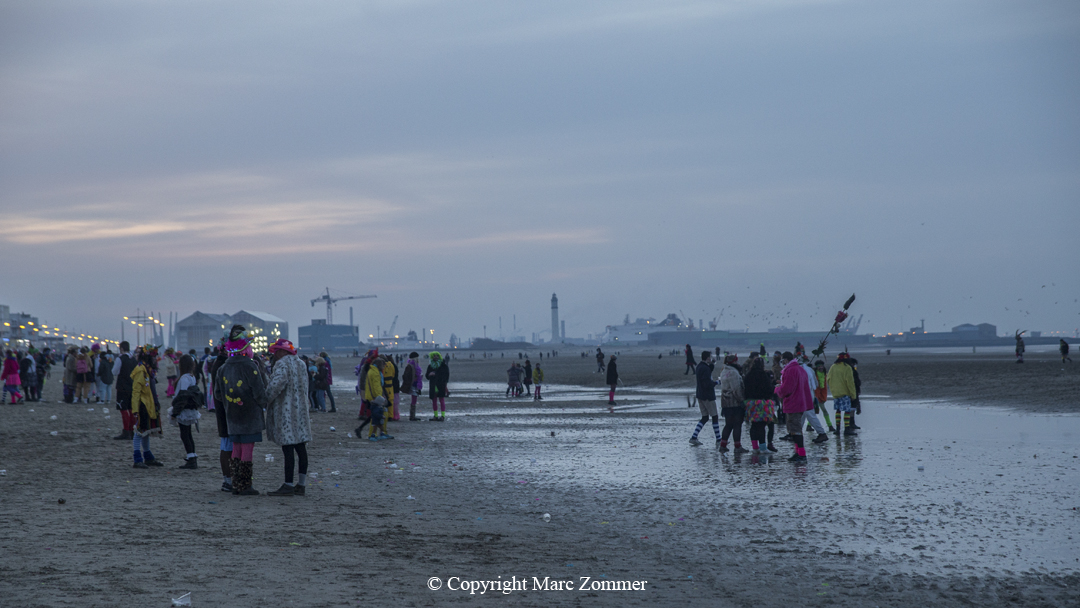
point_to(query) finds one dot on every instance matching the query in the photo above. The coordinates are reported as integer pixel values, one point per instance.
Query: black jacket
(123, 380)
(706, 386)
(437, 380)
(612, 374)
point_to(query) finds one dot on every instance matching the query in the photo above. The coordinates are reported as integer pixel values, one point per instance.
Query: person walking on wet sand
(690, 367)
(1019, 347)
(794, 392)
(732, 404)
(599, 360)
(526, 376)
(288, 422)
(538, 380)
(612, 378)
(706, 398)
(1063, 348)
(842, 386)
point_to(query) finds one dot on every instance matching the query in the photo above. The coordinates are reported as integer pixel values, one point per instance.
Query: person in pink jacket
(794, 392)
(10, 377)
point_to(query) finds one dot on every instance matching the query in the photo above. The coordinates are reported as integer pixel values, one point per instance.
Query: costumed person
(842, 386)
(375, 399)
(214, 361)
(538, 380)
(1063, 348)
(821, 393)
(122, 368)
(392, 384)
(388, 371)
(362, 371)
(170, 371)
(526, 376)
(11, 378)
(612, 379)
(412, 380)
(690, 363)
(795, 397)
(813, 423)
(706, 398)
(438, 375)
(241, 387)
(1019, 347)
(185, 408)
(288, 422)
(856, 403)
(760, 406)
(732, 404)
(144, 409)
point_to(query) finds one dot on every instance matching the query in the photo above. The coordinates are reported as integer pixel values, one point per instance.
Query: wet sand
(629, 500)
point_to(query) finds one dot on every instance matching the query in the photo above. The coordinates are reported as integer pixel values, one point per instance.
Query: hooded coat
(287, 418)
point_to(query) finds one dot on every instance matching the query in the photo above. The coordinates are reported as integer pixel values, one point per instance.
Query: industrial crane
(330, 303)
(390, 334)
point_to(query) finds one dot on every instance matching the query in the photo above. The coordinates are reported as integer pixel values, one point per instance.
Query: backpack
(81, 366)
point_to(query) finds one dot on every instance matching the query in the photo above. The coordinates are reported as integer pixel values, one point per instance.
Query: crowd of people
(791, 391)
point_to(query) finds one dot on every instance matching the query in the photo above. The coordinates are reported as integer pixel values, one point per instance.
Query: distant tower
(554, 318)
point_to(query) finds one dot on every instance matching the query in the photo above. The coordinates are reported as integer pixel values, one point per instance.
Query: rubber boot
(234, 469)
(246, 470)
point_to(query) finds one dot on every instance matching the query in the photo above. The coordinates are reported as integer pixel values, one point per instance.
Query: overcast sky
(463, 160)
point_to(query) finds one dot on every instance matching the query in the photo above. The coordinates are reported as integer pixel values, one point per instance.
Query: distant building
(266, 326)
(319, 337)
(200, 329)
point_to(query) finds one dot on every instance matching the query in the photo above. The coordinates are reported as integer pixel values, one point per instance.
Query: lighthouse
(554, 318)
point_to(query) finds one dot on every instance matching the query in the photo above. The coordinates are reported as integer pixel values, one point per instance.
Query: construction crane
(390, 334)
(330, 303)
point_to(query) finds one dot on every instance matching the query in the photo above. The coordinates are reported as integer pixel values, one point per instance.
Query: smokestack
(350, 317)
(554, 318)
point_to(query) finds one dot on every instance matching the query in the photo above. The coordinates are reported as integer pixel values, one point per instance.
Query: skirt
(761, 410)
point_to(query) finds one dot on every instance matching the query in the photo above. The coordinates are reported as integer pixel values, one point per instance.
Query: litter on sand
(183, 600)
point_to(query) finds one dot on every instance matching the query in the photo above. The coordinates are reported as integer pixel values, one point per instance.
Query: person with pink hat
(288, 422)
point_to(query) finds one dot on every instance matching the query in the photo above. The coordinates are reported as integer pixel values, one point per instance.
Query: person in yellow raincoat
(375, 388)
(144, 409)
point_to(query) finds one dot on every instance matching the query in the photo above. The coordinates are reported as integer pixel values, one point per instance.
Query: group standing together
(791, 392)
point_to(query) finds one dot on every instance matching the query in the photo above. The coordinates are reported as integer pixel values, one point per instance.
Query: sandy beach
(990, 519)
